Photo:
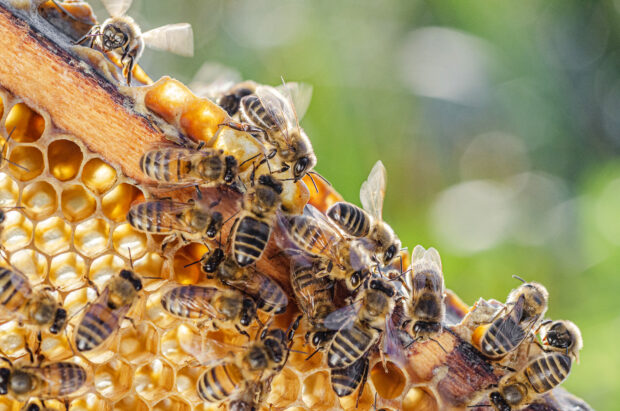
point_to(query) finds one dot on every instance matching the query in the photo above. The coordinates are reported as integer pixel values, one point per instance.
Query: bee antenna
(516, 277)
(321, 177)
(190, 264)
(130, 259)
(479, 405)
(312, 355)
(297, 351)
(249, 159)
(4, 146)
(6, 360)
(439, 344)
(227, 220)
(242, 183)
(313, 183)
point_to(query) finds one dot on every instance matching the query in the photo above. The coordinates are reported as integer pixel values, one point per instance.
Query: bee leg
(66, 401)
(169, 239)
(133, 323)
(242, 332)
(93, 285)
(129, 66)
(363, 382)
(90, 36)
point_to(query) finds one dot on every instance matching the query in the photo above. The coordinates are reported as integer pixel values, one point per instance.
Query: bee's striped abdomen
(167, 165)
(348, 345)
(352, 219)
(15, 290)
(97, 325)
(65, 378)
(272, 297)
(180, 301)
(251, 237)
(502, 337)
(346, 380)
(148, 216)
(548, 371)
(218, 382)
(254, 111)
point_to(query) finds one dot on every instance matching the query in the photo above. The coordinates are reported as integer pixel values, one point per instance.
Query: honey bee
(252, 229)
(180, 165)
(541, 374)
(122, 35)
(193, 220)
(509, 330)
(342, 258)
(346, 380)
(562, 336)
(261, 360)
(267, 293)
(210, 305)
(36, 308)
(368, 222)
(424, 311)
(102, 318)
(359, 325)
(52, 381)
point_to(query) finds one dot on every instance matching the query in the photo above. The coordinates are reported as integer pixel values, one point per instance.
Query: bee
(267, 293)
(346, 380)
(562, 336)
(210, 304)
(36, 308)
(252, 229)
(359, 325)
(52, 381)
(541, 374)
(508, 331)
(342, 258)
(367, 222)
(424, 311)
(102, 318)
(121, 34)
(261, 360)
(189, 221)
(181, 165)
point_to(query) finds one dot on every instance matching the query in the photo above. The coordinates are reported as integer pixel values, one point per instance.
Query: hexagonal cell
(150, 265)
(31, 263)
(172, 404)
(103, 268)
(98, 176)
(317, 391)
(116, 203)
(17, 231)
(285, 389)
(154, 380)
(126, 238)
(26, 162)
(12, 339)
(39, 200)
(52, 236)
(91, 237)
(88, 402)
(54, 347)
(187, 378)
(366, 400)
(155, 313)
(9, 191)
(130, 403)
(388, 384)
(28, 124)
(181, 343)
(76, 203)
(185, 256)
(113, 379)
(65, 159)
(419, 399)
(138, 345)
(67, 271)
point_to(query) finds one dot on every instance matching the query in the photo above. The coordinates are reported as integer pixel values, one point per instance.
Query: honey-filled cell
(26, 125)
(184, 273)
(130, 403)
(76, 203)
(419, 399)
(389, 382)
(91, 237)
(154, 380)
(113, 379)
(116, 203)
(31, 263)
(103, 268)
(129, 242)
(65, 159)
(17, 231)
(52, 236)
(317, 391)
(98, 176)
(174, 403)
(9, 191)
(39, 200)
(138, 345)
(26, 162)
(67, 271)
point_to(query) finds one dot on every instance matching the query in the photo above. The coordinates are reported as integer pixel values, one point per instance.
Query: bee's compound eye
(390, 253)
(355, 279)
(2, 216)
(300, 166)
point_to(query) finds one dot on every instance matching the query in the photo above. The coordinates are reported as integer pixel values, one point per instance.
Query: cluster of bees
(346, 266)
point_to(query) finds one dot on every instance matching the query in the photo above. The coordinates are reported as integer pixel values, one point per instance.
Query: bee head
(133, 279)
(212, 261)
(60, 320)
(5, 377)
(423, 329)
(248, 311)
(563, 336)
(513, 394)
(274, 347)
(356, 279)
(21, 382)
(499, 402)
(215, 225)
(301, 154)
(319, 338)
(256, 358)
(535, 295)
(232, 169)
(382, 286)
(113, 36)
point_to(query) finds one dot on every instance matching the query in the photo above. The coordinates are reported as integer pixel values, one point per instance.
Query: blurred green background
(498, 122)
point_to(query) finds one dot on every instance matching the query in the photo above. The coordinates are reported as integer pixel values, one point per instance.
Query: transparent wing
(117, 8)
(175, 38)
(324, 237)
(213, 80)
(278, 107)
(195, 299)
(210, 351)
(509, 327)
(300, 95)
(393, 340)
(264, 289)
(372, 191)
(343, 317)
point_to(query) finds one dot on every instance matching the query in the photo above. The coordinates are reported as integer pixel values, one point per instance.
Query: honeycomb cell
(77, 300)
(54, 347)
(150, 265)
(138, 345)
(65, 158)
(173, 403)
(67, 271)
(366, 400)
(26, 162)
(130, 403)
(183, 272)
(113, 379)
(28, 125)
(17, 231)
(77, 204)
(39, 200)
(98, 176)
(155, 313)
(31, 263)
(9, 191)
(91, 237)
(419, 399)
(285, 389)
(317, 391)
(126, 238)
(388, 384)
(88, 402)
(12, 339)
(154, 380)
(181, 344)
(187, 378)
(52, 236)
(103, 268)
(116, 203)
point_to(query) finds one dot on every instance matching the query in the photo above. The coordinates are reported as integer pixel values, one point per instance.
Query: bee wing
(117, 8)
(393, 342)
(167, 218)
(509, 323)
(256, 283)
(210, 351)
(343, 317)
(372, 191)
(299, 94)
(213, 80)
(278, 107)
(175, 38)
(51, 382)
(201, 304)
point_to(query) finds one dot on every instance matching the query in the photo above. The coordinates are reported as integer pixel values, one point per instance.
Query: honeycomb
(65, 227)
